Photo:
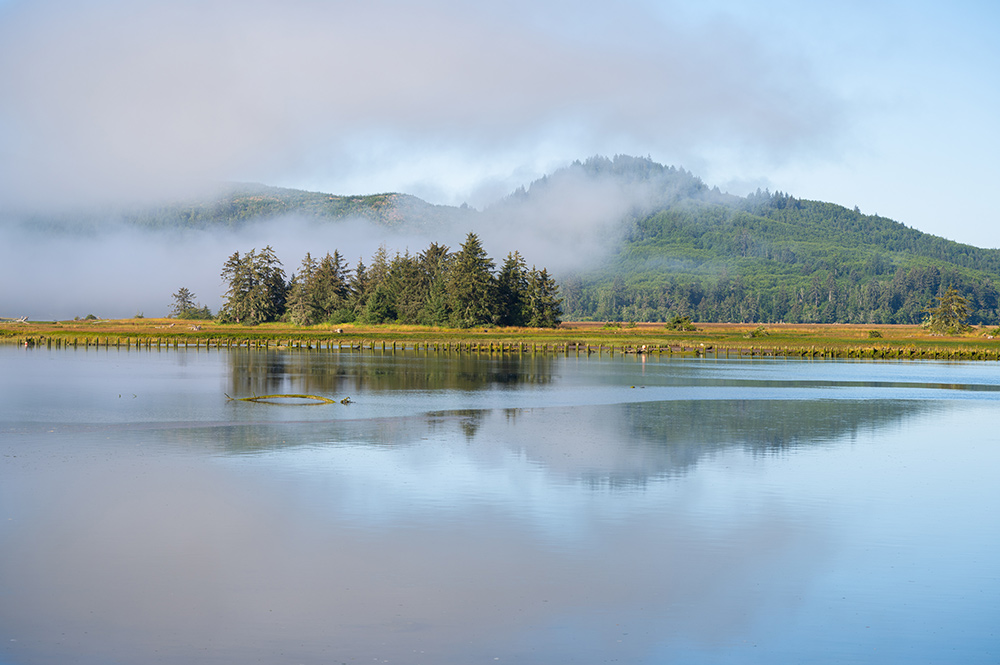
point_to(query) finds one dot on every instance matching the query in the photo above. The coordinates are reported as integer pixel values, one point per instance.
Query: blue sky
(890, 106)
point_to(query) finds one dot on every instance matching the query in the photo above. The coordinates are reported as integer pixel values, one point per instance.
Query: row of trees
(435, 287)
(826, 296)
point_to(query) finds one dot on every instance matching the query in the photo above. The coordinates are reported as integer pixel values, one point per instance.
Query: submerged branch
(265, 398)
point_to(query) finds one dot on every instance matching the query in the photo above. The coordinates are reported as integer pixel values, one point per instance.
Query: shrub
(682, 323)
(342, 315)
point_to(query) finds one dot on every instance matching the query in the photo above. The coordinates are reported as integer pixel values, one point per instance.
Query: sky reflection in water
(532, 510)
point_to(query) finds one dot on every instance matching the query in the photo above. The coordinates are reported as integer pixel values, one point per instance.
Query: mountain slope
(771, 257)
(657, 242)
(248, 203)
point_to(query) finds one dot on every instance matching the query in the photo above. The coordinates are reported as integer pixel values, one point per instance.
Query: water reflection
(256, 372)
(628, 445)
(621, 444)
(529, 510)
(198, 566)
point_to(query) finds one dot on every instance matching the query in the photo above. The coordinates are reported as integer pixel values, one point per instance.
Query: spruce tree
(183, 301)
(544, 304)
(257, 289)
(949, 315)
(472, 286)
(359, 288)
(332, 288)
(512, 291)
(302, 304)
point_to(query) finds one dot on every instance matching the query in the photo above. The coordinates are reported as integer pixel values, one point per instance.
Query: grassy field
(718, 339)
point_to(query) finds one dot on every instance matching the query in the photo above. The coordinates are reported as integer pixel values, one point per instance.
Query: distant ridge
(675, 247)
(684, 249)
(243, 203)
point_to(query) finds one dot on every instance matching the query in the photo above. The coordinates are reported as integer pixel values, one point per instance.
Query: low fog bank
(116, 271)
(568, 222)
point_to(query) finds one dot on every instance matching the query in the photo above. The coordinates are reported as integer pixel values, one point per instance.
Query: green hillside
(771, 257)
(683, 248)
(247, 203)
(676, 247)
(238, 205)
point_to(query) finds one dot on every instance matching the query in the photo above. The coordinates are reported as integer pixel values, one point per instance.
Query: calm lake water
(467, 509)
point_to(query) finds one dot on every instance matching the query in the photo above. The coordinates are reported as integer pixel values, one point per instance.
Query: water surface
(465, 509)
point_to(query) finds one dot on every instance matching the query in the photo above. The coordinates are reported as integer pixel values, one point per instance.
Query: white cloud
(117, 98)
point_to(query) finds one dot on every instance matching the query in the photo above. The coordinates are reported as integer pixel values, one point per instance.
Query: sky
(888, 106)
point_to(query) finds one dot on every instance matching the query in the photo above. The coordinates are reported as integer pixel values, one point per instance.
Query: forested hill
(246, 203)
(690, 250)
(672, 245)
(236, 205)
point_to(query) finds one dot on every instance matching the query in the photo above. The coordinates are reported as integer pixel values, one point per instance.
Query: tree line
(824, 296)
(435, 287)
(772, 258)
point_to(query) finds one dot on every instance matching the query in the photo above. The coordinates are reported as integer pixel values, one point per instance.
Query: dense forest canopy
(437, 287)
(770, 257)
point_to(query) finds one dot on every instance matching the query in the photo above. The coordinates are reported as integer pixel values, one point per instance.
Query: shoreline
(709, 339)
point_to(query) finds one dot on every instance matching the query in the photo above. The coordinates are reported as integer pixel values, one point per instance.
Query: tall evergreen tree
(257, 288)
(331, 287)
(512, 291)
(409, 285)
(949, 315)
(435, 262)
(381, 306)
(360, 288)
(472, 285)
(437, 310)
(544, 304)
(183, 301)
(302, 304)
(184, 306)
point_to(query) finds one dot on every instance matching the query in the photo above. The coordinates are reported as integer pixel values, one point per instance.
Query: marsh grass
(823, 340)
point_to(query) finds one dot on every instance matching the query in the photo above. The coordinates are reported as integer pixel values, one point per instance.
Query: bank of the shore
(710, 339)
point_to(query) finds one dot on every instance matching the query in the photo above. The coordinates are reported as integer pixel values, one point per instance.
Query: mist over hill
(627, 239)
(682, 248)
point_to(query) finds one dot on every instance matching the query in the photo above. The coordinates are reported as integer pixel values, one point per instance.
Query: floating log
(265, 398)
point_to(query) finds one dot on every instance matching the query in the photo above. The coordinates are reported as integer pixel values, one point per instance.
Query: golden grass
(836, 340)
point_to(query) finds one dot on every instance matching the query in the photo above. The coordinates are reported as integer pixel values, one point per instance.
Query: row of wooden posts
(492, 347)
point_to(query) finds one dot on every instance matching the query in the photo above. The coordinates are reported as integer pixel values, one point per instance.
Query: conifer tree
(512, 291)
(472, 286)
(184, 306)
(360, 287)
(409, 287)
(301, 297)
(544, 304)
(332, 286)
(949, 315)
(183, 301)
(257, 289)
